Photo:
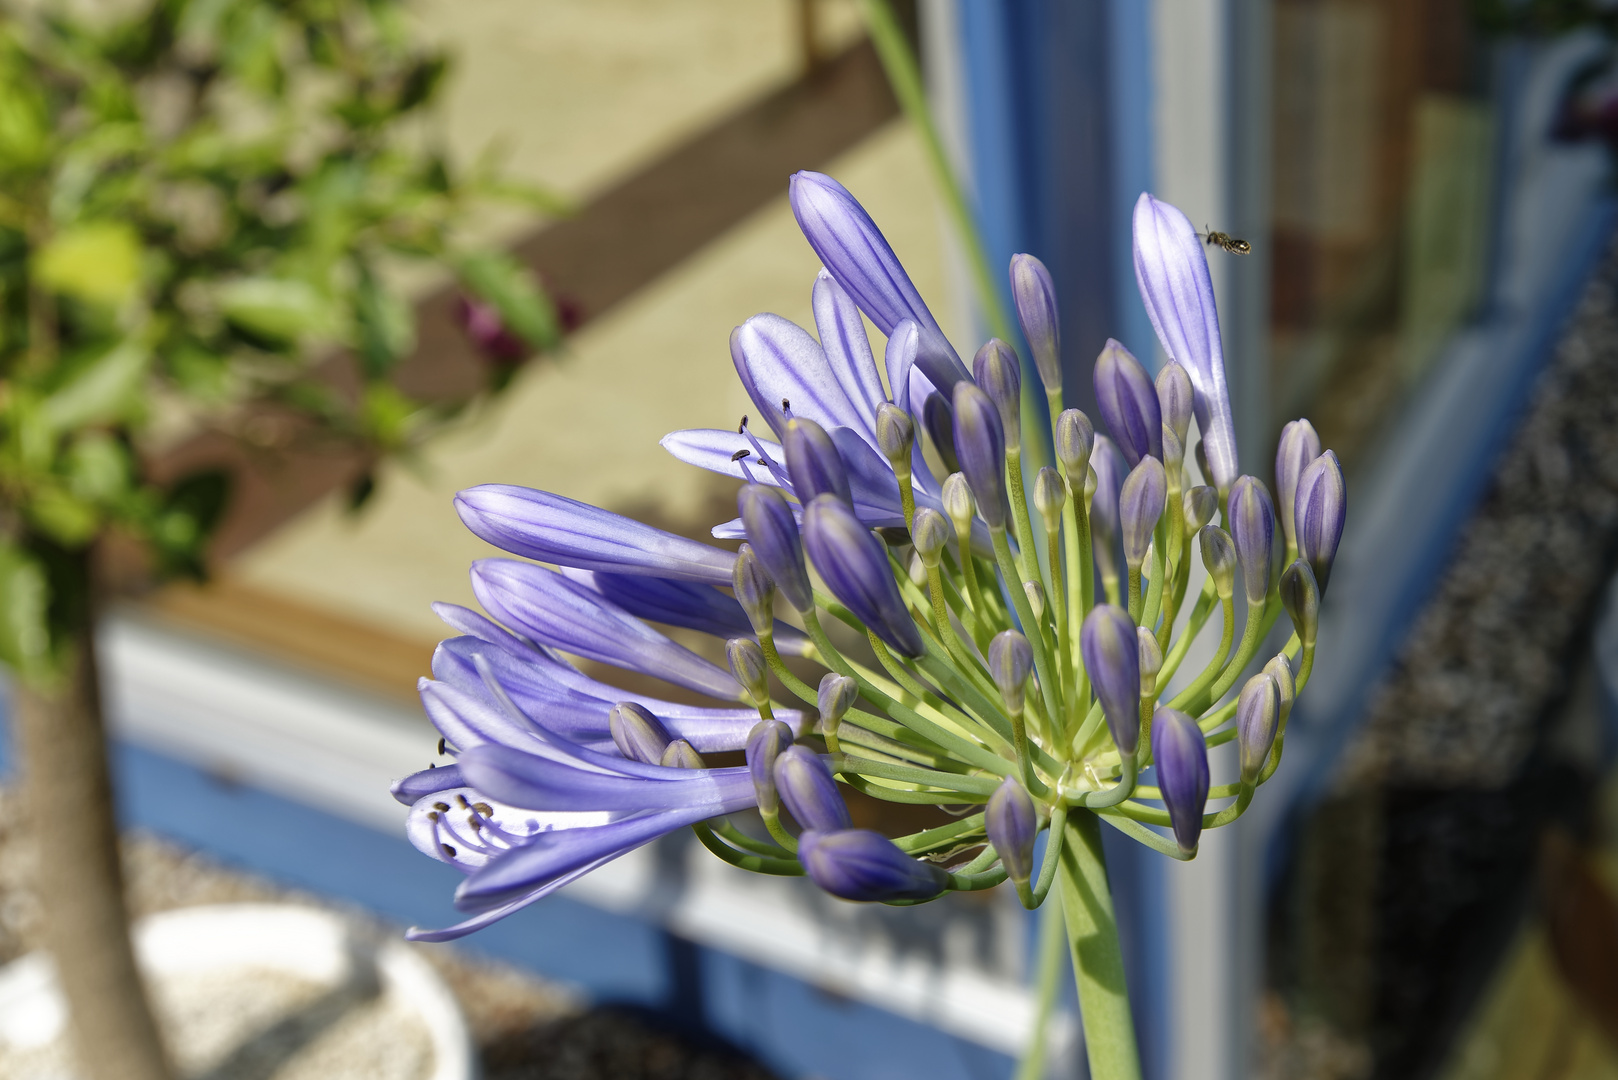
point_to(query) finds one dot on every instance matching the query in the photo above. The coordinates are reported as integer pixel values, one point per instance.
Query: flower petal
(680, 603)
(848, 350)
(535, 783)
(778, 361)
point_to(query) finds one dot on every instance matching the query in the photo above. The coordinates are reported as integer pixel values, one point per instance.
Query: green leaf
(386, 324)
(97, 467)
(97, 262)
(24, 636)
(99, 387)
(511, 288)
(62, 517)
(279, 310)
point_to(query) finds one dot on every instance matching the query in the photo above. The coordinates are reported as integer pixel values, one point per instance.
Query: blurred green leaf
(24, 597)
(63, 517)
(511, 288)
(99, 386)
(97, 467)
(97, 262)
(277, 309)
(386, 325)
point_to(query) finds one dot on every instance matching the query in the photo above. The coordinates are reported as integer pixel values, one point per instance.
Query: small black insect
(1226, 242)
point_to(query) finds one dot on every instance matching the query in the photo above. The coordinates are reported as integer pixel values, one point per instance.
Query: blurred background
(1427, 888)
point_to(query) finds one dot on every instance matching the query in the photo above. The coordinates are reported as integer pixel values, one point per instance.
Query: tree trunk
(68, 789)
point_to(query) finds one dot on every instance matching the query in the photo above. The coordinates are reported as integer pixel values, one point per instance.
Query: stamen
(441, 746)
(475, 823)
(737, 456)
(483, 808)
(775, 470)
(432, 815)
(786, 407)
(440, 806)
(460, 800)
(741, 428)
(448, 850)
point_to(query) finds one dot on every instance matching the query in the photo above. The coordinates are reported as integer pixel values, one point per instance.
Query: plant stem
(1098, 961)
(68, 788)
(1052, 947)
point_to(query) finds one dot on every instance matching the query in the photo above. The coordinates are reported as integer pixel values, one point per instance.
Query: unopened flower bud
(1252, 527)
(917, 571)
(854, 565)
(1050, 495)
(1140, 505)
(680, 754)
(1219, 558)
(1075, 440)
(772, 532)
(999, 374)
(1180, 753)
(1258, 717)
(1320, 509)
(959, 505)
(1301, 597)
(813, 463)
(1036, 597)
(981, 446)
(1012, 825)
(1111, 650)
(1011, 660)
(1151, 660)
(1173, 453)
(764, 744)
(754, 589)
(1198, 504)
(1297, 449)
(750, 669)
(1035, 296)
(1174, 398)
(637, 734)
(1128, 403)
(809, 790)
(929, 533)
(1200, 453)
(1280, 670)
(939, 420)
(895, 435)
(858, 864)
(1108, 469)
(834, 697)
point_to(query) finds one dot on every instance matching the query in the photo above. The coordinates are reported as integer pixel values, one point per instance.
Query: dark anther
(432, 815)
(440, 806)
(431, 765)
(441, 746)
(786, 406)
(448, 850)
(738, 455)
(741, 428)
(460, 800)
(476, 823)
(484, 808)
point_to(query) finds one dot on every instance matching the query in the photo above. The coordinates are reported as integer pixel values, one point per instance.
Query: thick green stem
(1098, 959)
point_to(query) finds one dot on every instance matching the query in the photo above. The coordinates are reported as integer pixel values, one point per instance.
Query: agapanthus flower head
(1128, 403)
(999, 374)
(858, 864)
(1012, 823)
(1075, 440)
(809, 790)
(1321, 509)
(980, 445)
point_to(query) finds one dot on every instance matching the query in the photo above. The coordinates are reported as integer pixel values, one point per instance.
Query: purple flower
(981, 446)
(550, 528)
(1140, 505)
(1075, 442)
(1177, 398)
(854, 565)
(1109, 467)
(1320, 510)
(1172, 271)
(939, 420)
(1296, 450)
(1258, 716)
(1011, 661)
(858, 864)
(1252, 527)
(1218, 558)
(813, 462)
(1035, 296)
(773, 534)
(1300, 595)
(1180, 753)
(1111, 651)
(764, 744)
(1012, 825)
(638, 734)
(847, 349)
(488, 331)
(854, 250)
(999, 374)
(1128, 403)
(681, 603)
(809, 790)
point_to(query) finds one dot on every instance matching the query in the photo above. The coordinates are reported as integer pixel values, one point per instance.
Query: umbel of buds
(1008, 639)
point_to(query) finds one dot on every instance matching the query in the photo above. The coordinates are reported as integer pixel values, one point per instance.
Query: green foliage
(201, 201)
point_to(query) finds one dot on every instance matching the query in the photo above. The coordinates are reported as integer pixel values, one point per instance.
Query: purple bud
(1050, 495)
(1111, 651)
(854, 565)
(764, 744)
(1012, 825)
(1219, 558)
(999, 374)
(834, 697)
(813, 463)
(1258, 717)
(1140, 505)
(680, 754)
(981, 446)
(1128, 403)
(1252, 527)
(809, 790)
(773, 534)
(1298, 448)
(929, 533)
(939, 420)
(1035, 296)
(749, 668)
(637, 734)
(858, 864)
(1075, 441)
(1198, 504)
(1175, 398)
(1281, 671)
(1173, 452)
(899, 357)
(895, 434)
(1320, 509)
(1301, 597)
(754, 589)
(1181, 755)
(1011, 659)
(1109, 468)
(1151, 659)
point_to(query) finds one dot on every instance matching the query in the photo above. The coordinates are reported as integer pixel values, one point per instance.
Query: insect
(1226, 242)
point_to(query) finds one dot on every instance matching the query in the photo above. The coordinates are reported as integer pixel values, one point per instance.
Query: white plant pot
(301, 942)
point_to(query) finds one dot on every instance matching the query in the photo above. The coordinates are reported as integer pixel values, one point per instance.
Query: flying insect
(1226, 242)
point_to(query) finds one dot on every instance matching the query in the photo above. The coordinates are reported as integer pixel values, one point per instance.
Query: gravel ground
(525, 1027)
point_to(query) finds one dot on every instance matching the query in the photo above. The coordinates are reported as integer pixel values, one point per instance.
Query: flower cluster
(1012, 657)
